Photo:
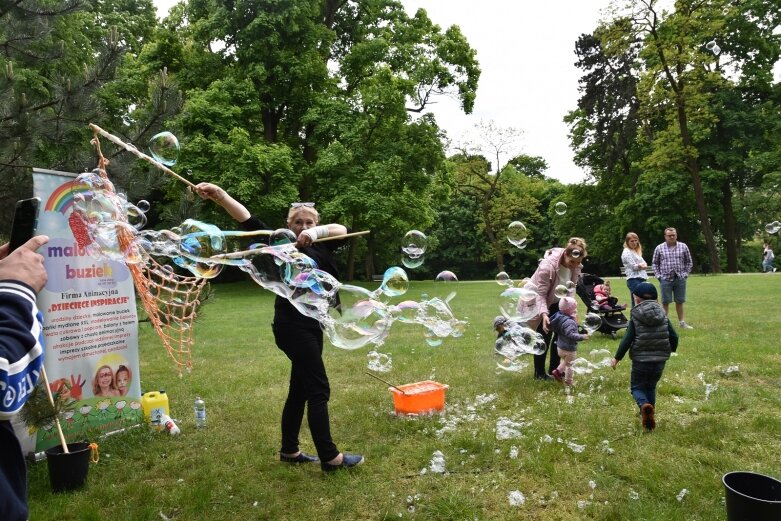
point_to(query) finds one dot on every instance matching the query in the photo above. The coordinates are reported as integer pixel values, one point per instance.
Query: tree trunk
(699, 194)
(489, 231)
(730, 228)
(369, 259)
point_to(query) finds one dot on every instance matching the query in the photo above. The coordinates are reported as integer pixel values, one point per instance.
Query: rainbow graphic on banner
(61, 199)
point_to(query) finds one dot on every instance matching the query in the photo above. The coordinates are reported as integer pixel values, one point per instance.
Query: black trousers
(550, 346)
(13, 476)
(309, 389)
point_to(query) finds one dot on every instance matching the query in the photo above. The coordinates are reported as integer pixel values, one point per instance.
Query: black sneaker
(348, 461)
(543, 377)
(301, 458)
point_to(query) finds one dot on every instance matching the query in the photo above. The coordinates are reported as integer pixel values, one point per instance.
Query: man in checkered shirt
(672, 264)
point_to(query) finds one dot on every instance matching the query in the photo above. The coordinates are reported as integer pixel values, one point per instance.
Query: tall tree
(332, 85)
(477, 178)
(691, 111)
(604, 128)
(674, 74)
(58, 59)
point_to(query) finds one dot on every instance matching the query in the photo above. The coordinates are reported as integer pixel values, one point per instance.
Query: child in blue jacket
(564, 324)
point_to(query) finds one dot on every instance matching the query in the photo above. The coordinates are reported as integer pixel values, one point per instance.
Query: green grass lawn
(582, 458)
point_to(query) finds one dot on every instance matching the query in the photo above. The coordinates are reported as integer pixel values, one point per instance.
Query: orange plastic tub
(426, 397)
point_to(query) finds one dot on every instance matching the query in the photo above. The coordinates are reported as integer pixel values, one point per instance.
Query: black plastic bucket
(68, 471)
(752, 497)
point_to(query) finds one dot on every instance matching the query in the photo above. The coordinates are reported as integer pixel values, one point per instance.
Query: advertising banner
(90, 322)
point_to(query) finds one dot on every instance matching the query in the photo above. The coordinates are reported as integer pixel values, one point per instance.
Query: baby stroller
(612, 320)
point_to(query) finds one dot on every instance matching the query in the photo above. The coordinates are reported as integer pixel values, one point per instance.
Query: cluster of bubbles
(515, 341)
(518, 305)
(518, 234)
(713, 47)
(773, 227)
(351, 316)
(596, 359)
(413, 249)
(101, 217)
(164, 148)
(379, 362)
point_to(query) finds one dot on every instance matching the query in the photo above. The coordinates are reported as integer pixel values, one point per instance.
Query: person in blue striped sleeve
(22, 275)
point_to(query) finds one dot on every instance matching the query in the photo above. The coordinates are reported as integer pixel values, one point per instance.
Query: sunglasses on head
(299, 205)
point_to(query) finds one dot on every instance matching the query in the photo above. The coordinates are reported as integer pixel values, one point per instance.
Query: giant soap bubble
(592, 322)
(414, 244)
(446, 276)
(164, 148)
(517, 234)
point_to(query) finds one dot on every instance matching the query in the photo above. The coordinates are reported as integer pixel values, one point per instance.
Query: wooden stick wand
(133, 150)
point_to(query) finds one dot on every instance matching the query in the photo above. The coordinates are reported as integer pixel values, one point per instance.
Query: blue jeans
(632, 284)
(643, 380)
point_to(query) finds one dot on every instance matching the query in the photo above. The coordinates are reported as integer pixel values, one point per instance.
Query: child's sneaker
(557, 375)
(647, 414)
(684, 325)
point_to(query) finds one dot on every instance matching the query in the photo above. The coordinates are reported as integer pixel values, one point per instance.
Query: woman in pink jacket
(558, 267)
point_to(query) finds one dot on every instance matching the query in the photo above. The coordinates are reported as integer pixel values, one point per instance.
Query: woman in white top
(634, 265)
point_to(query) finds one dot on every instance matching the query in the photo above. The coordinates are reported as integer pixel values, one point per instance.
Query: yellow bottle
(155, 405)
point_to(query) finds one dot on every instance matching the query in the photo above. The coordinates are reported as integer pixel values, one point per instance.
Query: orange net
(170, 300)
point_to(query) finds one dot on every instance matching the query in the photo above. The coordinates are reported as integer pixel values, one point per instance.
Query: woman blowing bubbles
(298, 336)
(560, 266)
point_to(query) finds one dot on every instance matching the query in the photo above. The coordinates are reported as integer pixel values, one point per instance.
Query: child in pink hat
(564, 324)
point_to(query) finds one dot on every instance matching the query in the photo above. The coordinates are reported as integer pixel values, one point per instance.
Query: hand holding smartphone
(25, 221)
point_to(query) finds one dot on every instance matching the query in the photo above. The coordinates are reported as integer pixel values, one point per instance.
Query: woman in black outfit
(298, 336)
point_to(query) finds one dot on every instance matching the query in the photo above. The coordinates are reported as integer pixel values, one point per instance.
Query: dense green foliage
(65, 64)
(330, 101)
(677, 134)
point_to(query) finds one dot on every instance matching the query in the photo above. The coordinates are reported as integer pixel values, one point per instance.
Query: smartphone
(25, 221)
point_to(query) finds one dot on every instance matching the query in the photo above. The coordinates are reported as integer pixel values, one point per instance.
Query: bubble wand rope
(187, 287)
(133, 150)
(240, 254)
(385, 382)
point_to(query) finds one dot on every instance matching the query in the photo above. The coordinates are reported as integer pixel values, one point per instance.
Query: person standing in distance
(672, 264)
(22, 276)
(634, 265)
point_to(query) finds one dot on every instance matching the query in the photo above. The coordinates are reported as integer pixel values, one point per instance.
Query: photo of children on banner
(123, 377)
(103, 384)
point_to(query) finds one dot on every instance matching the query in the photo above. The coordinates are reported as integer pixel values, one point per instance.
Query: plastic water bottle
(200, 412)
